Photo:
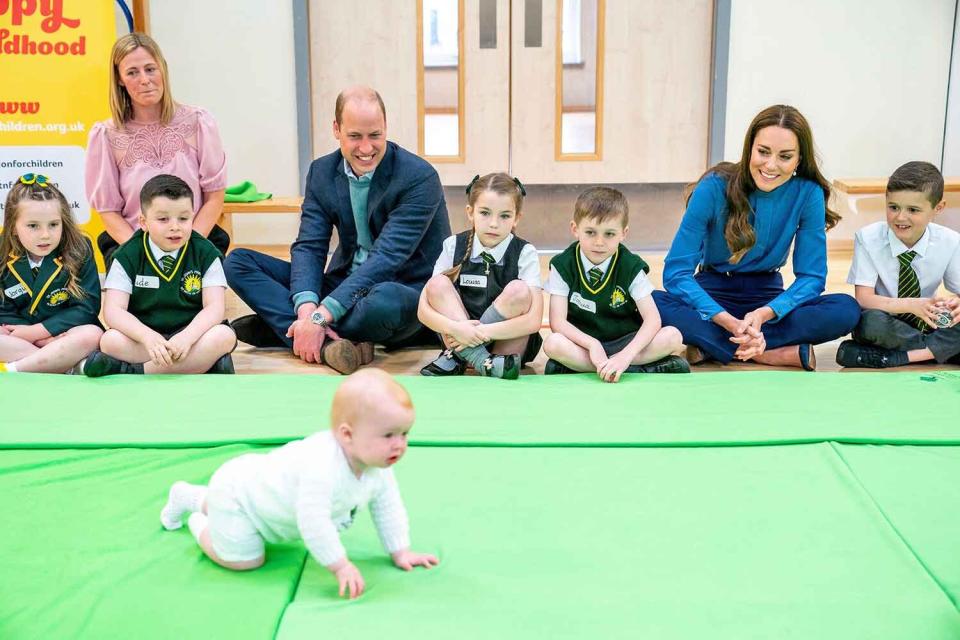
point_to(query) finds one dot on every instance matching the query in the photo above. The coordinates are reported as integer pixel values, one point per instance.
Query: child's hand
(407, 560)
(924, 308)
(351, 582)
(158, 350)
(614, 367)
(468, 333)
(32, 333)
(598, 357)
(178, 346)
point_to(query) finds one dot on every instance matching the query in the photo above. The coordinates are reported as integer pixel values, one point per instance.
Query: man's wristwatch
(319, 319)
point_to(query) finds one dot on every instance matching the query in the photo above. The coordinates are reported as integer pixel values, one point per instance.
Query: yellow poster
(54, 80)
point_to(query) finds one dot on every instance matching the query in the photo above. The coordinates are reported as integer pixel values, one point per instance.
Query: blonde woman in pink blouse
(150, 134)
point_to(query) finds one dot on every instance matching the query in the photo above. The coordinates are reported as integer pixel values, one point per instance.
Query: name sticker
(15, 291)
(473, 281)
(583, 303)
(147, 282)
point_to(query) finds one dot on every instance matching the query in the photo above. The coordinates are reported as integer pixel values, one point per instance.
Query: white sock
(197, 523)
(11, 367)
(183, 498)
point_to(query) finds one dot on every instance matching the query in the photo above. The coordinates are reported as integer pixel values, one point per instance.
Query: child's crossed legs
(56, 354)
(665, 342)
(212, 345)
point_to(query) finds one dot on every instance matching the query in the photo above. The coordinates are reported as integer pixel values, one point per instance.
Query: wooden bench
(273, 205)
(856, 188)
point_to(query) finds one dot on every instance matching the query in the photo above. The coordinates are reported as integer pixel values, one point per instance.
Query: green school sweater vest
(166, 302)
(607, 312)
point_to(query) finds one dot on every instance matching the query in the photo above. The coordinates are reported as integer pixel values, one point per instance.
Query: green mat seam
(491, 445)
(893, 527)
(291, 596)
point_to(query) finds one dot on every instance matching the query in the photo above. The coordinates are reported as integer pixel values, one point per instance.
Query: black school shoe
(553, 368)
(448, 363)
(854, 354)
(670, 364)
(254, 330)
(100, 364)
(223, 365)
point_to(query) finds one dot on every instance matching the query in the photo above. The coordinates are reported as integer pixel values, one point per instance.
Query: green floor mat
(753, 542)
(918, 489)
(701, 409)
(83, 554)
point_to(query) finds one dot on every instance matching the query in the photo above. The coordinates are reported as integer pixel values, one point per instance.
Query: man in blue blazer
(387, 207)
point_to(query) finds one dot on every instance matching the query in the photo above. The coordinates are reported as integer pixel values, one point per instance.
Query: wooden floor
(247, 359)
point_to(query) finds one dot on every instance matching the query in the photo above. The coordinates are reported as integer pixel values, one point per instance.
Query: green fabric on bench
(83, 554)
(701, 409)
(918, 489)
(752, 542)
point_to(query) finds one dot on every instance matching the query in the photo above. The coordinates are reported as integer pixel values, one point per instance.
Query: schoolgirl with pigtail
(484, 298)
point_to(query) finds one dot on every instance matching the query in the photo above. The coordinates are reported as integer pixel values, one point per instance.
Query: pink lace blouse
(120, 161)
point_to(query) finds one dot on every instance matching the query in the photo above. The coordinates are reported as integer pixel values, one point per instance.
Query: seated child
(897, 268)
(164, 300)
(602, 315)
(486, 288)
(49, 289)
(312, 488)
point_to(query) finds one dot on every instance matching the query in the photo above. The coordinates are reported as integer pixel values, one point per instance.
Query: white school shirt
(305, 490)
(556, 286)
(528, 263)
(117, 278)
(875, 263)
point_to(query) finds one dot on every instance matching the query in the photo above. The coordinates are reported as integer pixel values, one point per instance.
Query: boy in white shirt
(312, 488)
(897, 267)
(164, 294)
(602, 314)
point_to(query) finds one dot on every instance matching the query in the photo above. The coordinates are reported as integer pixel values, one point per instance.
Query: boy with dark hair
(164, 300)
(897, 268)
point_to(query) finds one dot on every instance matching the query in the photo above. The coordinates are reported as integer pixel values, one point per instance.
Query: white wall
(235, 58)
(869, 75)
(951, 145)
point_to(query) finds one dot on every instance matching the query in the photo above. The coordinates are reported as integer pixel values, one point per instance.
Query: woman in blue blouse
(740, 221)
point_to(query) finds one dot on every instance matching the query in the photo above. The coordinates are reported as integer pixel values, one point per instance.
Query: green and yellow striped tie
(167, 263)
(908, 286)
(595, 275)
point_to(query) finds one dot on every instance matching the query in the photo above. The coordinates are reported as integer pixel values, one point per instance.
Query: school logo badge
(57, 297)
(191, 282)
(618, 298)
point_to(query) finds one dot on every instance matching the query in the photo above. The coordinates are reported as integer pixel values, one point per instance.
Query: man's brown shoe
(366, 352)
(342, 356)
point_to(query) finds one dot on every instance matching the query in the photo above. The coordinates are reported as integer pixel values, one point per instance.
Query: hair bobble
(472, 182)
(34, 178)
(523, 191)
